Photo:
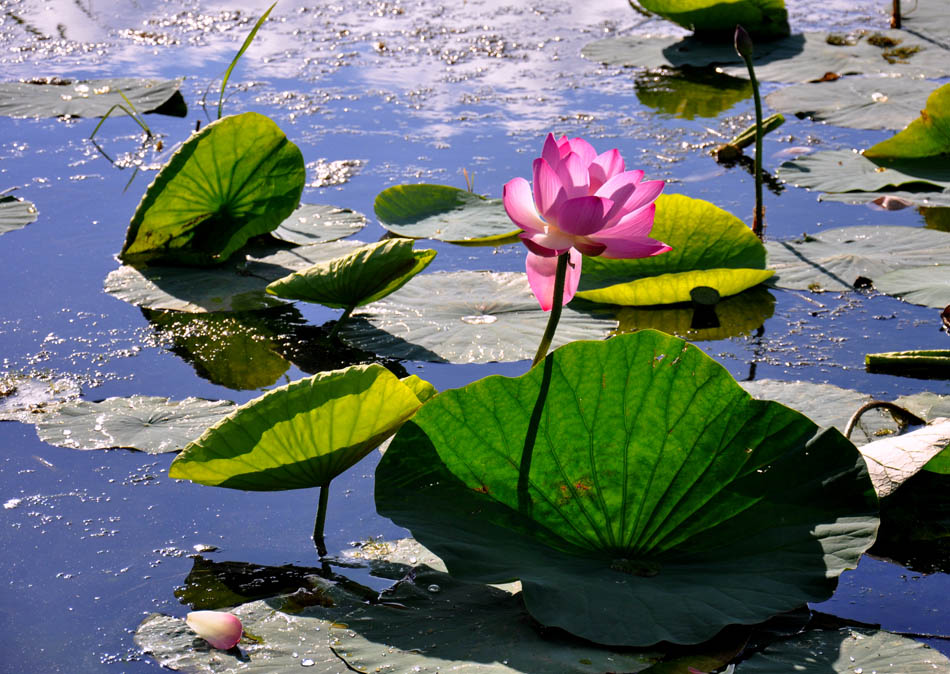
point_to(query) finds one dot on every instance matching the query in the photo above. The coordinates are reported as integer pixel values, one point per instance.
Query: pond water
(400, 92)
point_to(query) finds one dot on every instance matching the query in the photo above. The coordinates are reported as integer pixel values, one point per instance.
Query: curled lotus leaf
(237, 178)
(709, 509)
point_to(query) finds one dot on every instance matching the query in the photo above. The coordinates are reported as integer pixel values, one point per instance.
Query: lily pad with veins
(15, 213)
(846, 171)
(465, 317)
(315, 223)
(653, 485)
(88, 98)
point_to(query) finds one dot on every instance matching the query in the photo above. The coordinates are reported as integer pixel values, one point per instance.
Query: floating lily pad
(87, 98)
(798, 58)
(845, 651)
(708, 510)
(766, 19)
(926, 136)
(928, 286)
(218, 585)
(855, 102)
(443, 213)
(359, 277)
(836, 258)
(302, 434)
(711, 248)
(232, 350)
(847, 171)
(233, 286)
(15, 213)
(930, 19)
(690, 93)
(927, 406)
(315, 223)
(147, 423)
(30, 397)
(236, 178)
(733, 316)
(926, 199)
(465, 317)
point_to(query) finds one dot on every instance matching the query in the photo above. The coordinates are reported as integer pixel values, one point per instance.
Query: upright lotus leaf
(302, 434)
(926, 136)
(711, 247)
(846, 651)
(652, 485)
(836, 258)
(15, 213)
(855, 102)
(89, 98)
(443, 213)
(718, 18)
(365, 275)
(237, 178)
(689, 93)
(147, 423)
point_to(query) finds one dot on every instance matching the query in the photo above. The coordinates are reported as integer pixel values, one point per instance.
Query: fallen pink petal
(584, 203)
(221, 630)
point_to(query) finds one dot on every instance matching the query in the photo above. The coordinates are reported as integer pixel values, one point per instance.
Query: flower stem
(758, 218)
(896, 14)
(559, 276)
(321, 521)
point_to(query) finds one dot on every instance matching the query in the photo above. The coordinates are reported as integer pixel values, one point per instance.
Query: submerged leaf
(926, 136)
(706, 510)
(302, 434)
(237, 178)
(362, 276)
(711, 247)
(443, 213)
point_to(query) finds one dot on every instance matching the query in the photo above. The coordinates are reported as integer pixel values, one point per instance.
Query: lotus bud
(743, 43)
(221, 630)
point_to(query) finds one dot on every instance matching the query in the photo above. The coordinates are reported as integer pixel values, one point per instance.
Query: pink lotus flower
(583, 203)
(221, 630)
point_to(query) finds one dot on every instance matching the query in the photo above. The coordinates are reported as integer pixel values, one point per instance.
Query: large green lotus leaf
(846, 651)
(465, 317)
(734, 316)
(673, 288)
(302, 434)
(236, 178)
(718, 18)
(315, 223)
(151, 424)
(443, 213)
(855, 102)
(798, 58)
(235, 350)
(655, 486)
(15, 213)
(28, 397)
(926, 136)
(836, 258)
(86, 98)
(362, 276)
(711, 247)
(928, 286)
(690, 93)
(933, 201)
(847, 171)
(232, 286)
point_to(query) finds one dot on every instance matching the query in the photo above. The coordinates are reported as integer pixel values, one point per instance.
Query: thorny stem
(321, 520)
(559, 275)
